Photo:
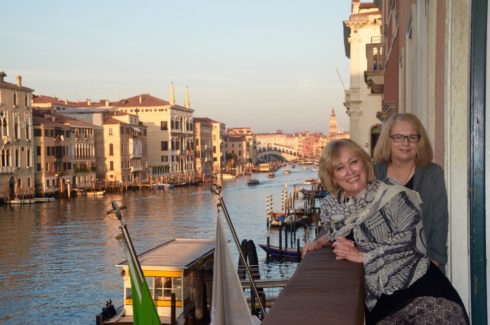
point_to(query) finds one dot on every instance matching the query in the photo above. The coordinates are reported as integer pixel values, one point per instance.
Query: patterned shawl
(386, 223)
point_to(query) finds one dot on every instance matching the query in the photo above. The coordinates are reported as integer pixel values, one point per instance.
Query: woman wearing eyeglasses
(403, 155)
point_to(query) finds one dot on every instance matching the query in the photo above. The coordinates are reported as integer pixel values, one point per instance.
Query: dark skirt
(433, 284)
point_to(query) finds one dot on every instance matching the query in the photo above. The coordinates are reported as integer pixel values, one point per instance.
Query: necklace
(399, 174)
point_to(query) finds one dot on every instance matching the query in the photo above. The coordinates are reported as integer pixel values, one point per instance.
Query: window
(161, 288)
(214, 149)
(164, 145)
(111, 149)
(110, 131)
(16, 158)
(28, 157)
(25, 100)
(38, 167)
(27, 130)
(38, 150)
(111, 165)
(4, 126)
(15, 99)
(37, 132)
(163, 125)
(16, 130)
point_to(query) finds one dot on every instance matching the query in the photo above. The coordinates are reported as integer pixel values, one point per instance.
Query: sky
(268, 65)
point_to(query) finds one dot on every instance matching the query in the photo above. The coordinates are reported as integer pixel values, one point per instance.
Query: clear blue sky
(265, 64)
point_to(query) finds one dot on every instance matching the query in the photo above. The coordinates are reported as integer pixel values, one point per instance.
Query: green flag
(144, 311)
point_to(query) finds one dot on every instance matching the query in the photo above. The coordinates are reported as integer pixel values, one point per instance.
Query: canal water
(57, 259)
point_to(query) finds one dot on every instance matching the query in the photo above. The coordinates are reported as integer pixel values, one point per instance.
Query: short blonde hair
(382, 151)
(331, 154)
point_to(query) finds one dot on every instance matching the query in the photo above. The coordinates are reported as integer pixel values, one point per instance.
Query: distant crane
(345, 92)
(340, 78)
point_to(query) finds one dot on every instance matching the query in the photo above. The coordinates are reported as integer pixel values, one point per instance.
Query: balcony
(322, 290)
(374, 74)
(6, 139)
(7, 170)
(135, 169)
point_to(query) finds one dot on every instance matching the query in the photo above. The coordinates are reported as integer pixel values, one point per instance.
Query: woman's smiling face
(404, 151)
(350, 172)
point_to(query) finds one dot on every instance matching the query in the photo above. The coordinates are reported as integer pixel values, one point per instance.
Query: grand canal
(57, 259)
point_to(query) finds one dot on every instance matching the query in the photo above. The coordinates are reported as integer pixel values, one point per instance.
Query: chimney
(2, 75)
(106, 103)
(89, 102)
(66, 101)
(19, 81)
(140, 99)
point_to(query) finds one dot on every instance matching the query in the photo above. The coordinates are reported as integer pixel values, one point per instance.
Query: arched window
(4, 126)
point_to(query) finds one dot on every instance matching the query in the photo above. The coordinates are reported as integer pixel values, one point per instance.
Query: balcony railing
(7, 170)
(323, 290)
(374, 74)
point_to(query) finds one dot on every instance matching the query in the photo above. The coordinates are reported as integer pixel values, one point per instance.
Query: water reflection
(57, 259)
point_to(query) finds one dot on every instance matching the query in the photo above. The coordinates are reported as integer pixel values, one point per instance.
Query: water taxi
(253, 181)
(182, 266)
(95, 193)
(272, 175)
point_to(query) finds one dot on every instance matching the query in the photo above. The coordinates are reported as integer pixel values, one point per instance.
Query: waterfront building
(245, 151)
(170, 132)
(203, 132)
(219, 150)
(361, 31)
(16, 146)
(89, 111)
(125, 149)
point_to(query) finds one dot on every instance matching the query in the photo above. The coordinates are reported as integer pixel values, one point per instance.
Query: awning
(136, 129)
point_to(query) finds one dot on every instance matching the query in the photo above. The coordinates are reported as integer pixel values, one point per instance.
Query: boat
(227, 176)
(305, 167)
(95, 193)
(287, 171)
(169, 268)
(253, 181)
(44, 199)
(31, 201)
(275, 251)
(21, 201)
(311, 181)
(272, 175)
(314, 169)
(318, 194)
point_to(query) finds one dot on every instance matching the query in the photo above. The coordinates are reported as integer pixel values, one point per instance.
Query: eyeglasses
(399, 138)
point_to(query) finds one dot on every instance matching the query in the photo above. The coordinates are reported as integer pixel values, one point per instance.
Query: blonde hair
(331, 154)
(382, 151)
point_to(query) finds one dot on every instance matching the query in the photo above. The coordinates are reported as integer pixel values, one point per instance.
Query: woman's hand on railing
(314, 245)
(345, 249)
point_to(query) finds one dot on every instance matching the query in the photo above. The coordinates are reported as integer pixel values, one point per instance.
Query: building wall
(361, 104)
(53, 158)
(204, 148)
(19, 113)
(219, 147)
(175, 160)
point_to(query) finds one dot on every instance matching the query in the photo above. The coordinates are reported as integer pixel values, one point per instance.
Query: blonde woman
(380, 225)
(403, 154)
